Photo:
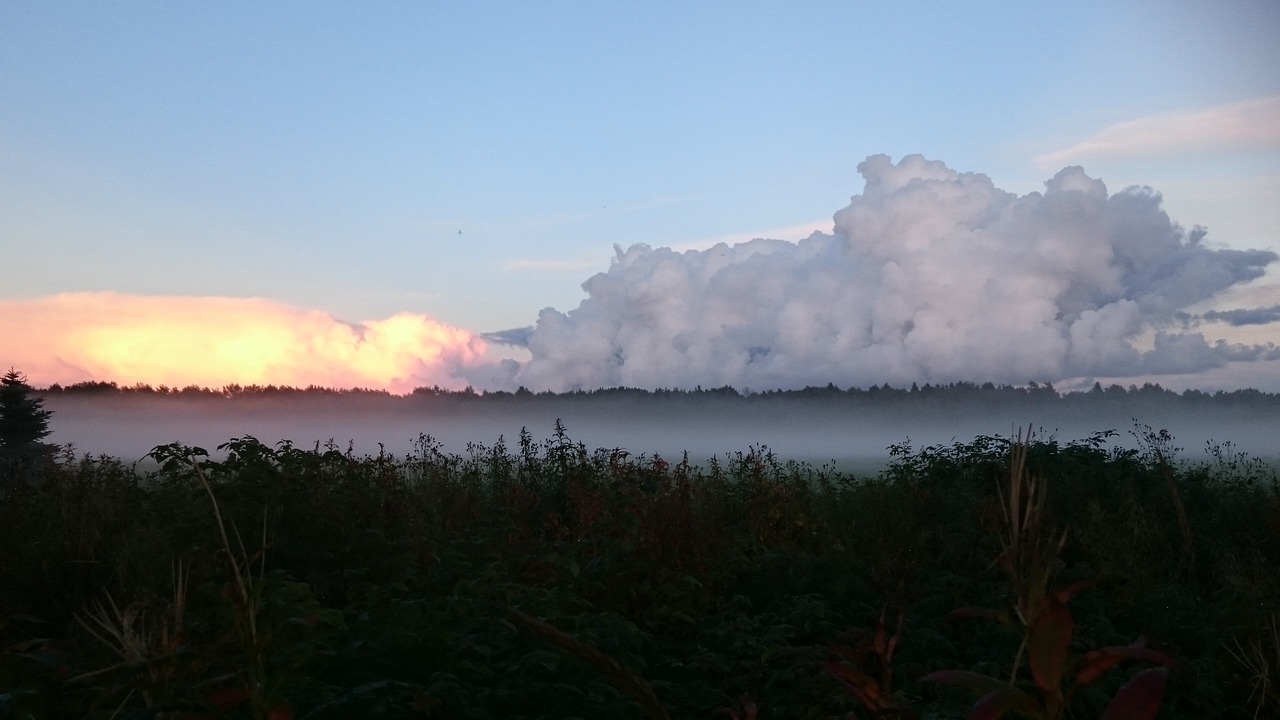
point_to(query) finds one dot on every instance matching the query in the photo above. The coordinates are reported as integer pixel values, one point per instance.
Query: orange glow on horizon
(216, 341)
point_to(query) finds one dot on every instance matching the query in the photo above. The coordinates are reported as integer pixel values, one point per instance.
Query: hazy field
(854, 433)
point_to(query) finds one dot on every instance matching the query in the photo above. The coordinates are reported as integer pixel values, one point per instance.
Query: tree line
(956, 392)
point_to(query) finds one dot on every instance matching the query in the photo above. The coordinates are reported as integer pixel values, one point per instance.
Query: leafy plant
(866, 672)
(629, 682)
(1031, 560)
(260, 647)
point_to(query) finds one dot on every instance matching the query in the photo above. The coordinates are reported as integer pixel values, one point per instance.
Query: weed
(1261, 659)
(1031, 559)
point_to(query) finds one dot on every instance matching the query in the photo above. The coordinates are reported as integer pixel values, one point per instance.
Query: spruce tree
(23, 420)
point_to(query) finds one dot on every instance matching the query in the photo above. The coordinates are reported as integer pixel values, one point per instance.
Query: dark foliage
(23, 420)
(549, 580)
(1032, 395)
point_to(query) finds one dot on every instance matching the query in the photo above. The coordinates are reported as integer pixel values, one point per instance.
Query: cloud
(1251, 125)
(791, 231)
(564, 266)
(929, 275)
(515, 337)
(215, 341)
(1245, 316)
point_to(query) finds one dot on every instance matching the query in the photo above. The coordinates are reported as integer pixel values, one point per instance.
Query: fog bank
(813, 429)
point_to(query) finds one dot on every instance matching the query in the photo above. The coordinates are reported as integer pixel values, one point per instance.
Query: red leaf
(280, 712)
(227, 698)
(1065, 594)
(881, 643)
(887, 658)
(858, 683)
(1048, 645)
(996, 703)
(981, 684)
(965, 613)
(749, 711)
(1140, 698)
(852, 676)
(844, 651)
(1097, 662)
(1093, 665)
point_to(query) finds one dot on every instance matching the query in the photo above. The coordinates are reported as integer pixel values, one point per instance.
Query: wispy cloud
(1250, 125)
(515, 337)
(1245, 316)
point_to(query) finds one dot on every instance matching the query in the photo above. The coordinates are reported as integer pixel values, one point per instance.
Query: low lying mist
(817, 428)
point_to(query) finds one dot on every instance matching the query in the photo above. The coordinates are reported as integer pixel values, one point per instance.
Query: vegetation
(548, 580)
(23, 424)
(23, 420)
(1039, 395)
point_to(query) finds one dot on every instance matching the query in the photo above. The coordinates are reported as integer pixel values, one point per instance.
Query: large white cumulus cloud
(930, 275)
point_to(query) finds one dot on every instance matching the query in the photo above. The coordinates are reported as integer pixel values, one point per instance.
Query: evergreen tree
(23, 420)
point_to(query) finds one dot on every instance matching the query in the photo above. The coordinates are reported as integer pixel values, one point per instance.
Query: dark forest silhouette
(947, 394)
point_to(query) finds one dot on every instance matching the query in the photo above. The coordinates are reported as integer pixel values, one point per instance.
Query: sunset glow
(652, 196)
(215, 341)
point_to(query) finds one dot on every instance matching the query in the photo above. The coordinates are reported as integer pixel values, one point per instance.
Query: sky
(503, 194)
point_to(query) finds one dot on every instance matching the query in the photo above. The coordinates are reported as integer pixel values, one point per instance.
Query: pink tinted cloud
(1250, 125)
(215, 341)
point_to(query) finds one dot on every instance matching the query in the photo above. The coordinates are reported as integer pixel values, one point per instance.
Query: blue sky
(327, 155)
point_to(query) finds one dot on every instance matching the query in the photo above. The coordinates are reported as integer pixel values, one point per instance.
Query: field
(548, 579)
